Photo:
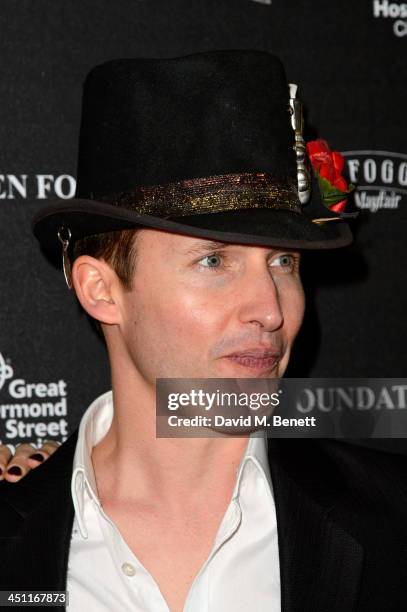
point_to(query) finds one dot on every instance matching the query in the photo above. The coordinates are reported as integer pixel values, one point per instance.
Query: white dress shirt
(242, 571)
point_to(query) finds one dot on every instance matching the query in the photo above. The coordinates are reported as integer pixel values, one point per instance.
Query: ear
(98, 289)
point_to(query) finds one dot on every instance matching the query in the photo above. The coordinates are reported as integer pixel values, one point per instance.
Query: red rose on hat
(328, 166)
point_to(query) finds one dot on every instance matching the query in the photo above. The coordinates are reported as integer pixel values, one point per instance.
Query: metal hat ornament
(297, 122)
(327, 166)
(209, 144)
(64, 236)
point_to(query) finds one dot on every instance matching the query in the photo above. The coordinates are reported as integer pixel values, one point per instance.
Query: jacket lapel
(320, 561)
(36, 518)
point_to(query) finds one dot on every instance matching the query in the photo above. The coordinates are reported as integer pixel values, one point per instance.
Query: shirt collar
(256, 452)
(93, 427)
(95, 424)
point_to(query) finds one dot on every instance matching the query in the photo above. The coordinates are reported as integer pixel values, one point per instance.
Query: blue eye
(286, 261)
(213, 260)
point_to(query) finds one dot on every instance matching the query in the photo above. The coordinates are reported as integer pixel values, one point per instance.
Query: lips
(256, 359)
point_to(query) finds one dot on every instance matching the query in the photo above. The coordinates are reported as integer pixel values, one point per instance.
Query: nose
(260, 302)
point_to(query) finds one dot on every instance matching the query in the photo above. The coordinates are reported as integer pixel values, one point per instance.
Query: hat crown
(157, 121)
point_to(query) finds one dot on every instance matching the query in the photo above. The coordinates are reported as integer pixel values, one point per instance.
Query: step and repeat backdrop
(349, 60)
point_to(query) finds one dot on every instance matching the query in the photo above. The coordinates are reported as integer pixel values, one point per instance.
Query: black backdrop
(349, 59)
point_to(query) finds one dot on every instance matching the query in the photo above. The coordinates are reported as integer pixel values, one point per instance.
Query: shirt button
(128, 569)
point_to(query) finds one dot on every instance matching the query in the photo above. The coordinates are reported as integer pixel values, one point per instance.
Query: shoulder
(357, 476)
(373, 487)
(361, 462)
(338, 455)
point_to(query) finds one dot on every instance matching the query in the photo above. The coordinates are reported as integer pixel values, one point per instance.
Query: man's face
(200, 309)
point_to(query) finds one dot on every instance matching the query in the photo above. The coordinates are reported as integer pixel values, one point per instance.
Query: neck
(133, 465)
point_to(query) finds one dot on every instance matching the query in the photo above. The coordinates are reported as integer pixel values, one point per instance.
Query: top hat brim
(260, 226)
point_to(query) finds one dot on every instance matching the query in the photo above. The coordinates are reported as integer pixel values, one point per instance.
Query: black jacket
(341, 517)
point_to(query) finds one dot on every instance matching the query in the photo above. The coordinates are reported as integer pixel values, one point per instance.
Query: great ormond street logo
(6, 371)
(31, 411)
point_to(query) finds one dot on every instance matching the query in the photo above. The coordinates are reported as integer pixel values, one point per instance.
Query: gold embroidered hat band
(210, 194)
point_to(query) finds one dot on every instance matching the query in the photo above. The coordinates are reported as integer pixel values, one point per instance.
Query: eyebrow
(207, 246)
(204, 246)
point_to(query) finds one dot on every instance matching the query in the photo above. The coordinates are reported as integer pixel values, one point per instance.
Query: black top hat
(201, 145)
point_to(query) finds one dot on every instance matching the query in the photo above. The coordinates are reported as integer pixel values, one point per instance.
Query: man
(192, 207)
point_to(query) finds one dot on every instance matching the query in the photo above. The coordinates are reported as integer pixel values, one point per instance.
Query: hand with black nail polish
(26, 458)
